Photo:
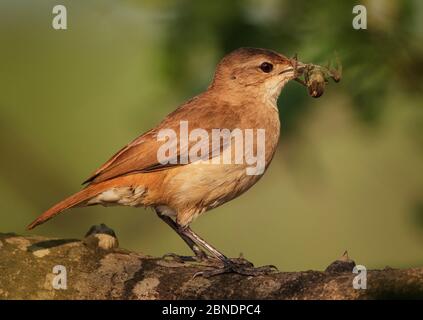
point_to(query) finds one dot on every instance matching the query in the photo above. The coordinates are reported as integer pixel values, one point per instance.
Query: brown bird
(241, 97)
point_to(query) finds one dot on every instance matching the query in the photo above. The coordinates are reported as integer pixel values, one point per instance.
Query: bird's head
(251, 72)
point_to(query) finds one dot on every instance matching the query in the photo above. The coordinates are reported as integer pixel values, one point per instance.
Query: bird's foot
(179, 258)
(201, 258)
(240, 266)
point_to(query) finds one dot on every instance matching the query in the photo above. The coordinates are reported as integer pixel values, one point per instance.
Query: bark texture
(26, 272)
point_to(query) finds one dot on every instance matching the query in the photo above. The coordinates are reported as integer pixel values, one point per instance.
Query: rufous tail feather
(70, 202)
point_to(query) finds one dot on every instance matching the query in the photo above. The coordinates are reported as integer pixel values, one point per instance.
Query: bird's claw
(200, 258)
(238, 266)
(178, 258)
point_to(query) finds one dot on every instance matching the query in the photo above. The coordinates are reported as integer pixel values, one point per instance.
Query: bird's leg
(199, 254)
(240, 265)
(201, 242)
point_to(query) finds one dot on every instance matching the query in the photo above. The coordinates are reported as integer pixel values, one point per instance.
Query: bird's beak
(299, 69)
(289, 72)
(298, 66)
(290, 69)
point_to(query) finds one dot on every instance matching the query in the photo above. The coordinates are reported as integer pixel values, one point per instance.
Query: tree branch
(26, 272)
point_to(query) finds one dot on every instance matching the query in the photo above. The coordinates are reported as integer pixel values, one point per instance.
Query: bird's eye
(266, 67)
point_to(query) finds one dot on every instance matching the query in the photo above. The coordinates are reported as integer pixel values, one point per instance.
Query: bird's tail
(70, 202)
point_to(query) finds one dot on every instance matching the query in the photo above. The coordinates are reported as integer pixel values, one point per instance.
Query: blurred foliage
(348, 174)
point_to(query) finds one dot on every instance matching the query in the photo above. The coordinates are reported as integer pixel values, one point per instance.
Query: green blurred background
(348, 174)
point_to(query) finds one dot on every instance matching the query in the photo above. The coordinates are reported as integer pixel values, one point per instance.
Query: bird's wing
(141, 154)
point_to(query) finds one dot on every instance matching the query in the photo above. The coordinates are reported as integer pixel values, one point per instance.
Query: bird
(241, 97)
